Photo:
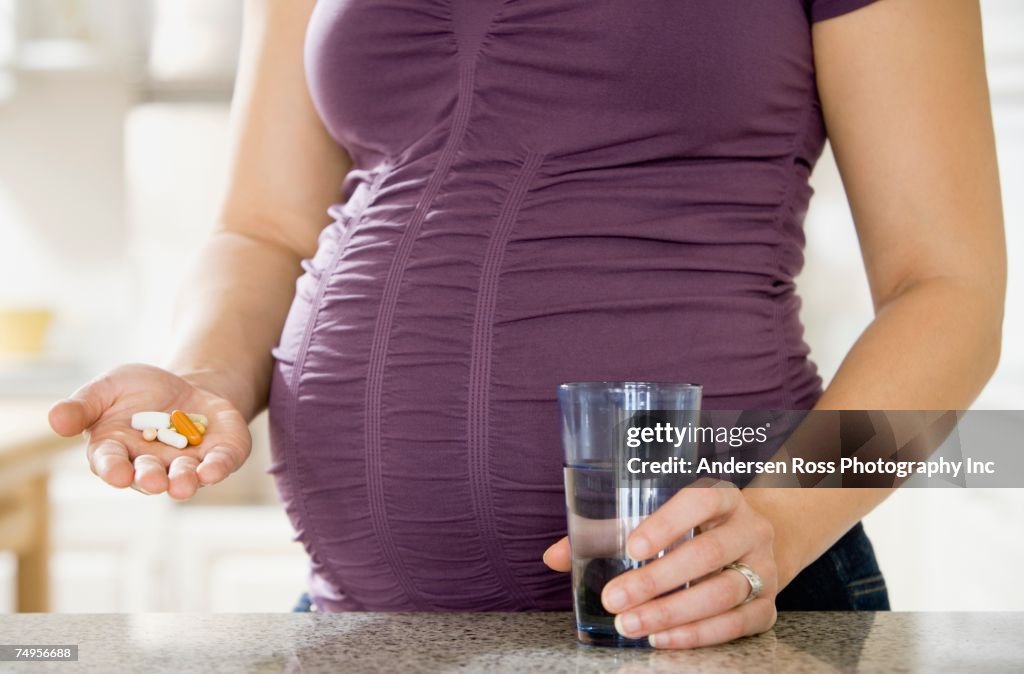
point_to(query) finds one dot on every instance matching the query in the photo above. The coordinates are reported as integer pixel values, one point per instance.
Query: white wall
(62, 204)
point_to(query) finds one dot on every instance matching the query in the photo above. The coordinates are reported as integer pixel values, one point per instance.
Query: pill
(149, 434)
(201, 428)
(171, 437)
(143, 420)
(186, 427)
(198, 419)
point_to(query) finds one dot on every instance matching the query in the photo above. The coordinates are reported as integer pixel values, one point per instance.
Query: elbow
(287, 233)
(995, 332)
(989, 356)
(992, 344)
(977, 319)
(991, 301)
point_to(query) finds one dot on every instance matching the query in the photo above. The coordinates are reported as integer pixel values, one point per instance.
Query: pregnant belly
(413, 416)
(421, 473)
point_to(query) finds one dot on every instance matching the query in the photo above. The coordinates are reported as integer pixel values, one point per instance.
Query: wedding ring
(755, 580)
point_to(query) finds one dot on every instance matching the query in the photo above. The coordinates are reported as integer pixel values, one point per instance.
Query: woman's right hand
(119, 455)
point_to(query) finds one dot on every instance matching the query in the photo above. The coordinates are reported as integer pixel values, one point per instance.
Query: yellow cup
(23, 331)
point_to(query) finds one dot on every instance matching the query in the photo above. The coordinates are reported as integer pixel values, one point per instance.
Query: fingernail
(639, 548)
(627, 624)
(616, 599)
(652, 641)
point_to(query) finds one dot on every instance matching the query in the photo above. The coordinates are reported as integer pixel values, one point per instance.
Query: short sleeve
(827, 9)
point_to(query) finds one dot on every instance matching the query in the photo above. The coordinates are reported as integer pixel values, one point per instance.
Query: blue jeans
(845, 578)
(304, 605)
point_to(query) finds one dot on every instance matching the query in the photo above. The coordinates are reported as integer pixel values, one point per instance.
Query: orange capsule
(186, 427)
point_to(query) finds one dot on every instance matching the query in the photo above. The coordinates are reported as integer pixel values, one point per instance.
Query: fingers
(558, 557)
(183, 482)
(150, 474)
(83, 408)
(218, 462)
(706, 553)
(228, 448)
(182, 474)
(717, 594)
(110, 461)
(685, 511)
(753, 618)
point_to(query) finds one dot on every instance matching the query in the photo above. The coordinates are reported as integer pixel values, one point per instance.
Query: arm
(903, 89)
(905, 99)
(285, 170)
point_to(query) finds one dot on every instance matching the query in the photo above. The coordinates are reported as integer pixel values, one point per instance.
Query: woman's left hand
(713, 609)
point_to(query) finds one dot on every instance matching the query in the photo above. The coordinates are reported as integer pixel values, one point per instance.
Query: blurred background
(113, 118)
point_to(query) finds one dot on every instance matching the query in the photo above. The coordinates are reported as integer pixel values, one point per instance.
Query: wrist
(790, 548)
(221, 382)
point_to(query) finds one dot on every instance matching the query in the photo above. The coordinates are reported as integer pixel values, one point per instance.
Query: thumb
(558, 557)
(83, 408)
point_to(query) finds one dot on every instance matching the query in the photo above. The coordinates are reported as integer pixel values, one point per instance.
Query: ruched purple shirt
(542, 191)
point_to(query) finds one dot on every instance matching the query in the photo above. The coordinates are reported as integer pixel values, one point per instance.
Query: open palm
(120, 456)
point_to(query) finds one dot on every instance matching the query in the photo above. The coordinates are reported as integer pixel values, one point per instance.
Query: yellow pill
(199, 419)
(185, 426)
(200, 427)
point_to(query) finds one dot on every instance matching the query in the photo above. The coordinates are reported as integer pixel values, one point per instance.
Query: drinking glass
(614, 479)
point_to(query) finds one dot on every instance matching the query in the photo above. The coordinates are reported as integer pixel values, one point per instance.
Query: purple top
(542, 192)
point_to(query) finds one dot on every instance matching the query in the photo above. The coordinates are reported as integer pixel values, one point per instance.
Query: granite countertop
(507, 642)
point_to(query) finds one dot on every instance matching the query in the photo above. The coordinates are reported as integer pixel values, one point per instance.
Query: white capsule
(171, 437)
(143, 420)
(149, 434)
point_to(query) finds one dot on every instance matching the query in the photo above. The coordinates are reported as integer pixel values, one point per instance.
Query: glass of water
(616, 474)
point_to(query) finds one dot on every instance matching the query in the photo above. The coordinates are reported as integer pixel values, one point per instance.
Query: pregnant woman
(526, 193)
